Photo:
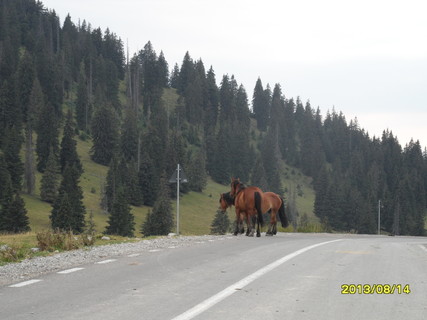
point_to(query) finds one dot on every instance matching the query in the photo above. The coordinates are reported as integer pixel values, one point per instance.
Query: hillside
(67, 89)
(197, 209)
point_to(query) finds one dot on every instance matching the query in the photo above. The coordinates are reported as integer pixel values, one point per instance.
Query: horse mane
(241, 185)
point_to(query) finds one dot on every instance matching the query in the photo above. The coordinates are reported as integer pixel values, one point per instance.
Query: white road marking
(25, 283)
(154, 250)
(133, 255)
(70, 270)
(423, 247)
(106, 261)
(210, 302)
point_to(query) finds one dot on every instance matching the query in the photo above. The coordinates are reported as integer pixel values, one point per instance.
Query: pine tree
(129, 135)
(104, 135)
(113, 182)
(197, 171)
(160, 220)
(211, 108)
(68, 212)
(47, 135)
(25, 79)
(49, 180)
(174, 78)
(221, 223)
(5, 184)
(258, 175)
(6, 200)
(260, 106)
(83, 112)
(147, 182)
(14, 215)
(68, 154)
(12, 147)
(121, 220)
(29, 166)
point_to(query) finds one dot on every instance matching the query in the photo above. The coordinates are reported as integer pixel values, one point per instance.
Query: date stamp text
(375, 289)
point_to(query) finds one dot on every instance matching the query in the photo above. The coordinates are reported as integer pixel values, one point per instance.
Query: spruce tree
(129, 135)
(34, 107)
(113, 182)
(14, 215)
(148, 184)
(104, 134)
(68, 154)
(83, 115)
(68, 211)
(12, 147)
(49, 180)
(160, 220)
(221, 223)
(4, 178)
(260, 106)
(258, 177)
(121, 220)
(25, 78)
(47, 135)
(197, 171)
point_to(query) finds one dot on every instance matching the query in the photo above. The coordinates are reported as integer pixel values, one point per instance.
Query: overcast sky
(366, 58)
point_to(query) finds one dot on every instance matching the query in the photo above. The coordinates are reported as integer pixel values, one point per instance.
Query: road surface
(288, 276)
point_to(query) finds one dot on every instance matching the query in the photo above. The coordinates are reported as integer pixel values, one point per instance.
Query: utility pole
(178, 177)
(177, 200)
(379, 217)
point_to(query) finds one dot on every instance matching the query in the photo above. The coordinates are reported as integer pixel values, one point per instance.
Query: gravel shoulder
(30, 268)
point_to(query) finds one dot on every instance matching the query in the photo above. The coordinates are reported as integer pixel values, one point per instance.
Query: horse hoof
(258, 235)
(268, 234)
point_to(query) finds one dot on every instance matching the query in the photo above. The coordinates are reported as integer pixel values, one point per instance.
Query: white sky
(366, 58)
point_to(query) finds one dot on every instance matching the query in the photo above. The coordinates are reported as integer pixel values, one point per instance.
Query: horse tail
(282, 215)
(257, 196)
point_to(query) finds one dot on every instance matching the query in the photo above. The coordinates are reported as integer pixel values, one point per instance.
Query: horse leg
(249, 217)
(248, 225)
(273, 223)
(242, 225)
(238, 224)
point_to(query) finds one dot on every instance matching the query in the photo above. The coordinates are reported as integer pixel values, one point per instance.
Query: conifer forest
(61, 83)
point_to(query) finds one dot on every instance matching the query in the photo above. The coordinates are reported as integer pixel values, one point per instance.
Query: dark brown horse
(247, 200)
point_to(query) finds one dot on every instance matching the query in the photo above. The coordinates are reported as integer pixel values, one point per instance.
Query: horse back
(271, 200)
(245, 199)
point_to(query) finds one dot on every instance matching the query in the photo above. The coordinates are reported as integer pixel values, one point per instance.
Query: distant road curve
(288, 276)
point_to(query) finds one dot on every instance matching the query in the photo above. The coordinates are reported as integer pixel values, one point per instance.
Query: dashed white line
(70, 270)
(25, 283)
(154, 250)
(210, 302)
(423, 247)
(106, 261)
(134, 255)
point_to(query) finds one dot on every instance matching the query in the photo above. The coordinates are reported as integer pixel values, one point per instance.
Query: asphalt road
(288, 276)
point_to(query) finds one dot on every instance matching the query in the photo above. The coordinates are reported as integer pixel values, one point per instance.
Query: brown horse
(247, 200)
(271, 202)
(226, 201)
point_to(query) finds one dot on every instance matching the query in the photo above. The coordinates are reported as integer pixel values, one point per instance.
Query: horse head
(223, 205)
